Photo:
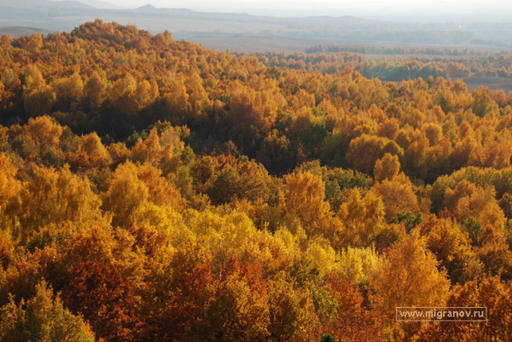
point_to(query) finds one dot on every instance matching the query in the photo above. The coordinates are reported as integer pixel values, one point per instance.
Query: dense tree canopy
(151, 189)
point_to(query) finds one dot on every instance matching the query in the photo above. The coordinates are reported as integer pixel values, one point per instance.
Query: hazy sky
(447, 8)
(326, 4)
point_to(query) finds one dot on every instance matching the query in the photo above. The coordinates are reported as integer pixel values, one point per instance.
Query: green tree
(41, 318)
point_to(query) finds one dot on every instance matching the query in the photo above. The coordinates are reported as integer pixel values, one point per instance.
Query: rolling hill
(238, 31)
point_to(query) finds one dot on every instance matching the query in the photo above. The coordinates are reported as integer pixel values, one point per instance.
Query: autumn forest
(155, 190)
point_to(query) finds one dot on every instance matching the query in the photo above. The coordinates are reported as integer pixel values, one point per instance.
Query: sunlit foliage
(154, 190)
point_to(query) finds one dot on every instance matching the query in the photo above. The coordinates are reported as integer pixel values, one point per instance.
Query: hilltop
(239, 31)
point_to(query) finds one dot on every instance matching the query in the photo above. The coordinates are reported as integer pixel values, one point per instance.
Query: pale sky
(443, 8)
(325, 4)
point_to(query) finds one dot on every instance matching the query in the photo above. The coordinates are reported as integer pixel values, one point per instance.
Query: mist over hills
(99, 4)
(20, 31)
(238, 31)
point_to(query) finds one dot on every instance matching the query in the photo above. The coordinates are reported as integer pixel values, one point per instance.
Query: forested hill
(154, 190)
(245, 32)
(117, 81)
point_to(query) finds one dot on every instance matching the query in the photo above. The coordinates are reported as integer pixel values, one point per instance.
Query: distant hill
(238, 31)
(42, 5)
(147, 8)
(99, 4)
(90, 3)
(71, 4)
(17, 31)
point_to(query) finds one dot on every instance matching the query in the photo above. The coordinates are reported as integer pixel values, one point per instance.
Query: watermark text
(441, 314)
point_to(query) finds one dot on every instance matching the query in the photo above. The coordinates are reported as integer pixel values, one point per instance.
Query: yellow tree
(292, 312)
(35, 43)
(42, 318)
(138, 195)
(123, 95)
(91, 152)
(38, 97)
(386, 168)
(41, 139)
(490, 293)
(397, 195)
(304, 195)
(160, 150)
(363, 218)
(357, 264)
(146, 94)
(55, 196)
(467, 202)
(9, 185)
(176, 99)
(239, 309)
(70, 89)
(95, 90)
(408, 277)
(126, 194)
(198, 97)
(452, 248)
(364, 151)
